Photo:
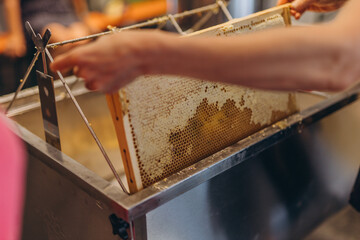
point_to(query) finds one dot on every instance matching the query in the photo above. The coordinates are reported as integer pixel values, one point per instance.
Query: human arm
(320, 57)
(16, 45)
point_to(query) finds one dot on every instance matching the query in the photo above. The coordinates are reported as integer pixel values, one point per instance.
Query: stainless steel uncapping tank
(277, 184)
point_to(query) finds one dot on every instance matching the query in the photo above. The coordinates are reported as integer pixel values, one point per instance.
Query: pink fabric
(12, 171)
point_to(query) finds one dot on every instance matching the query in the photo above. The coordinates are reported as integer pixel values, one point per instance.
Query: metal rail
(219, 4)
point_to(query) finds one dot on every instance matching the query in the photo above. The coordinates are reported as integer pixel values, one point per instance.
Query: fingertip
(295, 14)
(93, 86)
(90, 86)
(64, 62)
(301, 5)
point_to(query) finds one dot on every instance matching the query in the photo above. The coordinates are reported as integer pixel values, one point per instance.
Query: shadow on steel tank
(282, 192)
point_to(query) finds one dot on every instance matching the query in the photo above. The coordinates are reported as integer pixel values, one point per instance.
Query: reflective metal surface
(277, 184)
(57, 208)
(343, 225)
(282, 193)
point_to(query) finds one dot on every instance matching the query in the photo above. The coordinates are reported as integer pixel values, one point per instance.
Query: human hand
(15, 46)
(61, 33)
(300, 6)
(111, 62)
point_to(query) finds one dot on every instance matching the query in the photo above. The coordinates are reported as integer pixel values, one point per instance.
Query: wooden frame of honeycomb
(167, 123)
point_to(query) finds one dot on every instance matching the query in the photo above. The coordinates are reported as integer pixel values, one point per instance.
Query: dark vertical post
(48, 109)
(355, 195)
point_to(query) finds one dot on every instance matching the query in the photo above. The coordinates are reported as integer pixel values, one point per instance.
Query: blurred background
(68, 19)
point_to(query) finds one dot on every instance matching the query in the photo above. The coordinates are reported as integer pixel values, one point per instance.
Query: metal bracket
(41, 44)
(46, 90)
(119, 227)
(48, 109)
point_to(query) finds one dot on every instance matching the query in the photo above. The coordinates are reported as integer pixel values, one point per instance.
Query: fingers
(301, 5)
(293, 10)
(111, 84)
(298, 6)
(296, 14)
(91, 85)
(71, 60)
(65, 61)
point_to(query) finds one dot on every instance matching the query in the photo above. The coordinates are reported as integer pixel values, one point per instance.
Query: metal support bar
(200, 23)
(225, 10)
(43, 55)
(176, 25)
(154, 21)
(23, 81)
(88, 125)
(40, 44)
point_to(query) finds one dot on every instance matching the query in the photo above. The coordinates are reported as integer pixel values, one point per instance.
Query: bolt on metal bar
(154, 21)
(225, 10)
(88, 125)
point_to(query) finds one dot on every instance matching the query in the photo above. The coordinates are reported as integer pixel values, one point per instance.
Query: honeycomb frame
(185, 120)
